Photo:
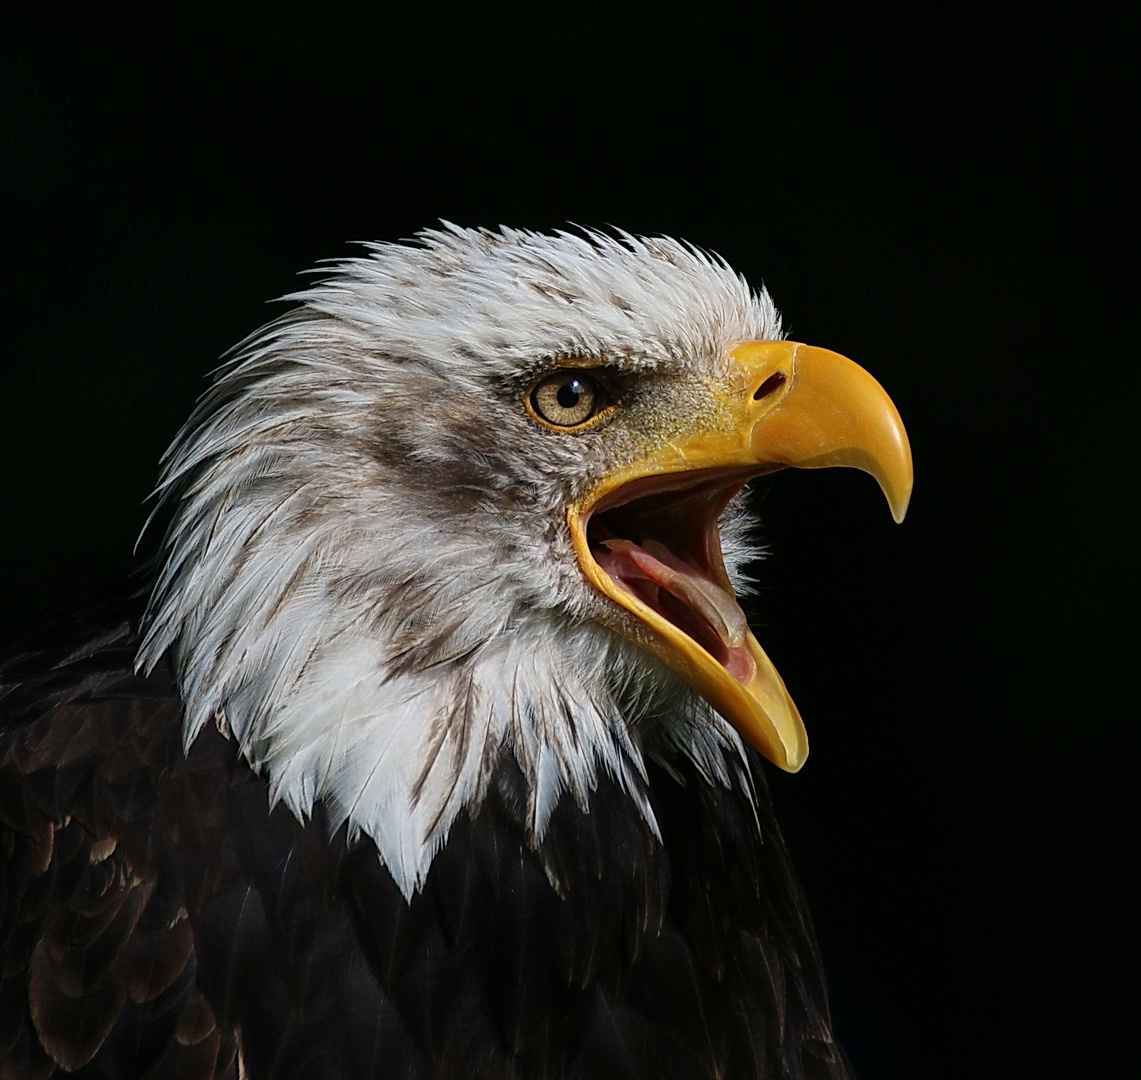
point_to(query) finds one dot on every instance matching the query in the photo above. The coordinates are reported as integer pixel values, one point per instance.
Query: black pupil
(569, 393)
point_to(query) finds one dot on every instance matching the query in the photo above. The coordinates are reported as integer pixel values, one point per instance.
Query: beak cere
(646, 536)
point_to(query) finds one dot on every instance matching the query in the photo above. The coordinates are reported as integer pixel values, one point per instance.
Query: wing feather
(99, 959)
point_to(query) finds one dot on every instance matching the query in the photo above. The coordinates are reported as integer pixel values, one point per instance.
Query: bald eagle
(436, 749)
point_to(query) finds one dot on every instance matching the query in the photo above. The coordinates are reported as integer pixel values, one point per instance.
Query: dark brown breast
(159, 919)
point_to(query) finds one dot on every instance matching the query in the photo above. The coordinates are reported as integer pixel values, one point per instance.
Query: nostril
(769, 385)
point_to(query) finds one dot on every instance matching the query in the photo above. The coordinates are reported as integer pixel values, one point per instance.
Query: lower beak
(785, 404)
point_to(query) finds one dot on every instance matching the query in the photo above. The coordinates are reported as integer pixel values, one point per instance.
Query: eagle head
(480, 497)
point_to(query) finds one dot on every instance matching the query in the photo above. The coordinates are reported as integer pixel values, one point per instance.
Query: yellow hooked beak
(783, 404)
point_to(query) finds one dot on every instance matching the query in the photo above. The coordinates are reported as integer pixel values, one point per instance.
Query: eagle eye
(566, 399)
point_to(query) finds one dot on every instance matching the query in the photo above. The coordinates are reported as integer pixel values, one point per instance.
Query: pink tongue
(655, 561)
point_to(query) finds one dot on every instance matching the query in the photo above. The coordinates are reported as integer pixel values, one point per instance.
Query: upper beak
(784, 404)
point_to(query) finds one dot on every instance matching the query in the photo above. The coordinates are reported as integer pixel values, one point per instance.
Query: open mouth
(656, 538)
(646, 535)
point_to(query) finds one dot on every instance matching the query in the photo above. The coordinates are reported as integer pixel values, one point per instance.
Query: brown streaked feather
(156, 913)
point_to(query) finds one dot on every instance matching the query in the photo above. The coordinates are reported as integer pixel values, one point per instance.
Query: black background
(942, 198)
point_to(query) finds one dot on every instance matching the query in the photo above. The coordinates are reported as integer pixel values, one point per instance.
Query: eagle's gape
(665, 550)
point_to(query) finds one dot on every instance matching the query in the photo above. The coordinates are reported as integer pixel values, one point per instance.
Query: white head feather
(368, 572)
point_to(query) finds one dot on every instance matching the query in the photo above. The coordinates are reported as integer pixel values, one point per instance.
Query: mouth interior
(662, 547)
